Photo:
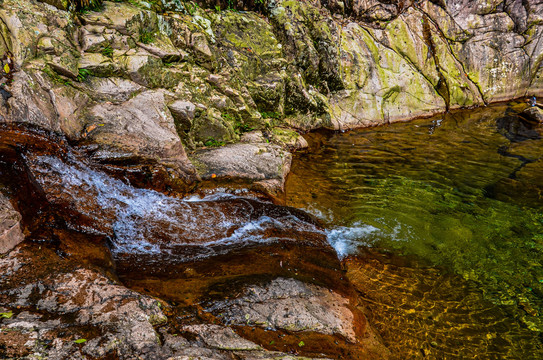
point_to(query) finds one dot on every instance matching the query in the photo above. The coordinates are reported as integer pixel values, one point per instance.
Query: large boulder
(382, 85)
(534, 114)
(250, 161)
(141, 127)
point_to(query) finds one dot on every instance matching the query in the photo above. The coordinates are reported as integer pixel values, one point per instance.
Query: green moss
(211, 142)
(250, 33)
(55, 77)
(155, 320)
(200, 167)
(270, 115)
(284, 136)
(147, 36)
(392, 93)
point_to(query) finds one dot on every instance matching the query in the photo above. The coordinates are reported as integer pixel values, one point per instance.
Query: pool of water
(462, 192)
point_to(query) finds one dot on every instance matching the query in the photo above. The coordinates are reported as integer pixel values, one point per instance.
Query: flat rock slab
(220, 337)
(10, 227)
(292, 305)
(254, 161)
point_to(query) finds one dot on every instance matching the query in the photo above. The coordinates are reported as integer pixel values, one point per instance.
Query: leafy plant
(6, 315)
(83, 75)
(147, 36)
(240, 127)
(211, 142)
(80, 341)
(107, 51)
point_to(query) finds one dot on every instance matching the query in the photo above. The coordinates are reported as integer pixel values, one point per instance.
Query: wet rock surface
(166, 94)
(109, 270)
(10, 226)
(534, 114)
(289, 304)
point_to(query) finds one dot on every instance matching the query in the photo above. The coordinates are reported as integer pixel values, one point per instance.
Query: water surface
(461, 194)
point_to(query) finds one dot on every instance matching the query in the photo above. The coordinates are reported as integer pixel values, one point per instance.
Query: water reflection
(462, 192)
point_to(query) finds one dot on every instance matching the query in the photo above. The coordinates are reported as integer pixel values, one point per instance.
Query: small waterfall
(142, 221)
(156, 243)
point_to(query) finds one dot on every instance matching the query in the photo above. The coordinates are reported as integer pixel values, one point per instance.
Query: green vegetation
(84, 6)
(211, 142)
(6, 315)
(83, 75)
(270, 115)
(108, 51)
(241, 128)
(56, 77)
(190, 7)
(147, 36)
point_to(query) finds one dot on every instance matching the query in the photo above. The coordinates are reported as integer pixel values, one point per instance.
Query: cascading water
(153, 235)
(142, 221)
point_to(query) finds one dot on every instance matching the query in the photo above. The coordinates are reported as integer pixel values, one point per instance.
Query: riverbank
(166, 89)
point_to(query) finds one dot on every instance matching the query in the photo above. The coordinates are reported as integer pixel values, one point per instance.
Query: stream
(432, 229)
(449, 212)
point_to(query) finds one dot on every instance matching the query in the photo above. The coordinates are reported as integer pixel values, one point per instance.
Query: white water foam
(347, 239)
(144, 221)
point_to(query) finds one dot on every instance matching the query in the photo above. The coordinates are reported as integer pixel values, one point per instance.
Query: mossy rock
(212, 128)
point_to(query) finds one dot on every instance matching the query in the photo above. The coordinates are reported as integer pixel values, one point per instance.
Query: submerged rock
(292, 305)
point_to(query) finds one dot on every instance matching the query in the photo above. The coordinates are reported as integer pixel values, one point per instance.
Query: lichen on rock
(310, 64)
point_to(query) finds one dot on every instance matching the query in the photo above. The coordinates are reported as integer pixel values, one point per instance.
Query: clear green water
(461, 192)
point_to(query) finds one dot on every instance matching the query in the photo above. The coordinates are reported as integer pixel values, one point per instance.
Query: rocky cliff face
(169, 92)
(139, 82)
